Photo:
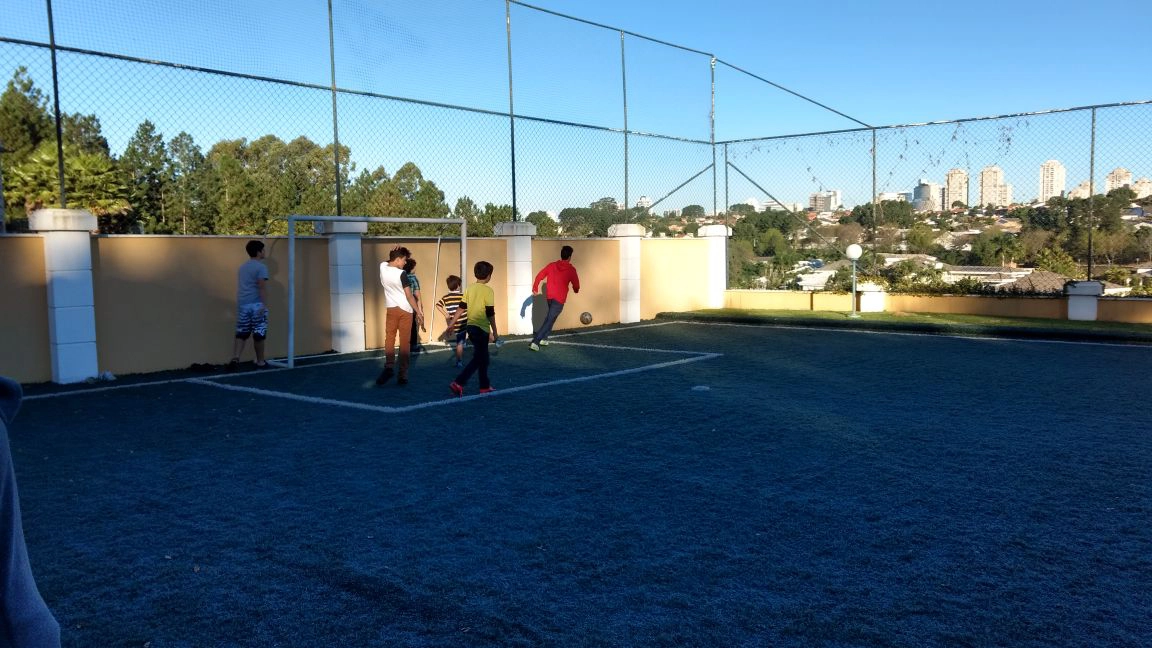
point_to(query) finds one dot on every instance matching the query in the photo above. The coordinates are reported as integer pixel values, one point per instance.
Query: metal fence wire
(223, 118)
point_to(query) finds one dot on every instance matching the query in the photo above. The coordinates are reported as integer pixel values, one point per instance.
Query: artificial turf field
(677, 484)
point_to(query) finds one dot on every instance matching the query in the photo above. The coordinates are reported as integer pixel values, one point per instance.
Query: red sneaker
(487, 390)
(457, 390)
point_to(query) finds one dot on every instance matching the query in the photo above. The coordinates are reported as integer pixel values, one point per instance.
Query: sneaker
(534, 346)
(487, 390)
(384, 376)
(459, 364)
(544, 343)
(401, 381)
(456, 389)
(264, 366)
(234, 365)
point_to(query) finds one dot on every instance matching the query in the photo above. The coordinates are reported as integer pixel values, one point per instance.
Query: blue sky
(902, 61)
(884, 63)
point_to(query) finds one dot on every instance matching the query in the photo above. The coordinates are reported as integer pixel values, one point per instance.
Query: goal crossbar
(296, 218)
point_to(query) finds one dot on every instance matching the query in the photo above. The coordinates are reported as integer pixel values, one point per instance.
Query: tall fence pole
(727, 199)
(335, 119)
(875, 196)
(624, 83)
(511, 109)
(712, 134)
(56, 108)
(1091, 190)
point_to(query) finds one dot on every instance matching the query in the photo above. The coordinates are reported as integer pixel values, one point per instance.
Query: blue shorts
(252, 319)
(461, 337)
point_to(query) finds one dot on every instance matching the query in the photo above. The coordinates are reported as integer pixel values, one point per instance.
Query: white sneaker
(534, 346)
(543, 342)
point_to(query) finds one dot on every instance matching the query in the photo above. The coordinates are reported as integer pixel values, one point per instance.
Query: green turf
(931, 322)
(802, 487)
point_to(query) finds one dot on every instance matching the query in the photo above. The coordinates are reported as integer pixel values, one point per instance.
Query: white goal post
(295, 218)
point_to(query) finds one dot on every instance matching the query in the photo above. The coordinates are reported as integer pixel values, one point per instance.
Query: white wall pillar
(71, 301)
(520, 275)
(630, 236)
(1082, 298)
(346, 283)
(717, 262)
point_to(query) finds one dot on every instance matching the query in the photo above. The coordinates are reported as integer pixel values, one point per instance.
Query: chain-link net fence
(222, 118)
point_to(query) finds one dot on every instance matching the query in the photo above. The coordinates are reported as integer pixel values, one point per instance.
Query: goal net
(428, 269)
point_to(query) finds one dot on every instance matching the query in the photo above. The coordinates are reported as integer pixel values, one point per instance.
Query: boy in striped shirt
(448, 305)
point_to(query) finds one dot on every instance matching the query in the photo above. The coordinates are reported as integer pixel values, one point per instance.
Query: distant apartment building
(993, 190)
(1142, 187)
(1053, 180)
(956, 188)
(927, 196)
(823, 201)
(893, 196)
(1118, 177)
(644, 203)
(1082, 190)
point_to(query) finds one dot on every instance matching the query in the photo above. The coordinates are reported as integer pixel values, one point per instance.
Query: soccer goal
(290, 361)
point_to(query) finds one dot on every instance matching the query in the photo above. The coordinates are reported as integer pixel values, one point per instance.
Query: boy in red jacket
(557, 275)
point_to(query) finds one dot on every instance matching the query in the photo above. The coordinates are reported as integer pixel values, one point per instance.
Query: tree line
(1058, 236)
(160, 185)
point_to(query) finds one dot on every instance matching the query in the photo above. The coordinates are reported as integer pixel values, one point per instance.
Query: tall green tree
(145, 160)
(545, 226)
(84, 133)
(607, 204)
(921, 239)
(238, 200)
(188, 202)
(692, 211)
(25, 120)
(1056, 260)
(422, 198)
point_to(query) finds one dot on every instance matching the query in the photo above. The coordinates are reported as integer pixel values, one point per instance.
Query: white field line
(954, 336)
(450, 400)
(442, 349)
(279, 366)
(629, 348)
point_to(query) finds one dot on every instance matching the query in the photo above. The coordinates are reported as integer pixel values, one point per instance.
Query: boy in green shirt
(480, 302)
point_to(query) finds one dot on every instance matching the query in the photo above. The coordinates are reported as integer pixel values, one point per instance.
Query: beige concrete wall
(672, 278)
(787, 300)
(1039, 307)
(597, 262)
(25, 355)
(1119, 309)
(432, 278)
(165, 302)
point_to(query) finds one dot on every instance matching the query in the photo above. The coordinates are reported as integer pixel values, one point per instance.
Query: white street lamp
(853, 253)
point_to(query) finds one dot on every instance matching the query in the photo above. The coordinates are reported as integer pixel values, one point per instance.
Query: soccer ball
(585, 317)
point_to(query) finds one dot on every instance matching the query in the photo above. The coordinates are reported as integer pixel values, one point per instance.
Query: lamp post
(853, 253)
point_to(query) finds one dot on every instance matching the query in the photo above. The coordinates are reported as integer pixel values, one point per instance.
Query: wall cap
(622, 230)
(62, 220)
(515, 228)
(340, 227)
(1084, 288)
(714, 230)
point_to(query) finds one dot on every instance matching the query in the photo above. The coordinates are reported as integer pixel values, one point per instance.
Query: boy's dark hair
(483, 270)
(453, 282)
(254, 248)
(398, 252)
(410, 265)
(566, 252)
